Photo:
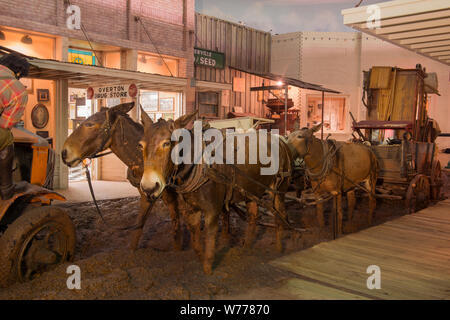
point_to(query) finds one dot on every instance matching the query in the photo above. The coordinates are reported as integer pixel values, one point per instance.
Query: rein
(106, 132)
(327, 163)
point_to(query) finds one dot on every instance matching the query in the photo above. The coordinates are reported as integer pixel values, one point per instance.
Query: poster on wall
(112, 92)
(81, 57)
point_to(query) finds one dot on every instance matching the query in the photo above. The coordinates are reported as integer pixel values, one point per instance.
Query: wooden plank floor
(413, 253)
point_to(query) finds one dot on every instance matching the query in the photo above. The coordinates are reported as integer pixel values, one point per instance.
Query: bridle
(326, 162)
(106, 129)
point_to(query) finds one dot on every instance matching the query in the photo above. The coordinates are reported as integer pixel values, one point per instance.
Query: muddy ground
(155, 271)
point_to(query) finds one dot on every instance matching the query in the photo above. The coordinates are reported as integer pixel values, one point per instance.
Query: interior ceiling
(419, 26)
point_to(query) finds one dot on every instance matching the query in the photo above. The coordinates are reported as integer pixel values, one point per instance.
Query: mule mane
(133, 123)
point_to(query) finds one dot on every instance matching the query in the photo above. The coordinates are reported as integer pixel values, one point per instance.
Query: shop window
(159, 104)
(208, 104)
(151, 63)
(334, 112)
(40, 46)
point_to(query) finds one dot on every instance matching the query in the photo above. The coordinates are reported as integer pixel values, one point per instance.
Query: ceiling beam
(412, 18)
(430, 44)
(414, 26)
(445, 36)
(393, 9)
(437, 55)
(436, 49)
(420, 33)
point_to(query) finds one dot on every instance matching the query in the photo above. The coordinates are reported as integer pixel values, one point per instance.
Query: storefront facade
(118, 43)
(227, 57)
(337, 60)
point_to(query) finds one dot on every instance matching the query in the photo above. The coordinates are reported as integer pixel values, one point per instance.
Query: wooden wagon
(401, 134)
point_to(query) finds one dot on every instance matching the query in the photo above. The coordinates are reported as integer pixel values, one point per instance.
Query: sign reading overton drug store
(209, 58)
(112, 92)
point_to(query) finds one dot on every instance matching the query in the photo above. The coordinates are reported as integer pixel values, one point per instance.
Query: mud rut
(109, 270)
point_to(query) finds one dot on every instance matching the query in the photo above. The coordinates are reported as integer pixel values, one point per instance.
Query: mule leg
(170, 200)
(252, 212)
(194, 220)
(351, 200)
(225, 234)
(211, 228)
(370, 185)
(339, 213)
(144, 212)
(319, 213)
(279, 206)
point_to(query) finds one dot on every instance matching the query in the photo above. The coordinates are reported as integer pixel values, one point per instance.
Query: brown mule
(336, 170)
(210, 195)
(112, 128)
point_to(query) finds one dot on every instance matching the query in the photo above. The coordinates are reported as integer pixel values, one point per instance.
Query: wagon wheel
(436, 180)
(39, 239)
(418, 193)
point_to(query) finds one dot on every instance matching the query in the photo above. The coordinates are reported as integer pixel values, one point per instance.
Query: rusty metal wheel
(39, 239)
(436, 180)
(418, 193)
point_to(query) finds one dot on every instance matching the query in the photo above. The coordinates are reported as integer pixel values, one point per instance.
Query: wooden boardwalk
(413, 253)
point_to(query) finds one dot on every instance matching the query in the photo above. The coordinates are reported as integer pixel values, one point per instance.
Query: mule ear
(183, 121)
(123, 107)
(317, 127)
(145, 119)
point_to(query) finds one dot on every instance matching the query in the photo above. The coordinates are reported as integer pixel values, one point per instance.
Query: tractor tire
(21, 243)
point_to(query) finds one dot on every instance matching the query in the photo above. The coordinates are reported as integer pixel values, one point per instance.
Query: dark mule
(114, 129)
(211, 195)
(327, 168)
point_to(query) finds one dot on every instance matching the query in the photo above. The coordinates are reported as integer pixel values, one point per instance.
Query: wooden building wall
(244, 48)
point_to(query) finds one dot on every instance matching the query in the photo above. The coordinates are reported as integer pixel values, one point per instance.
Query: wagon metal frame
(409, 169)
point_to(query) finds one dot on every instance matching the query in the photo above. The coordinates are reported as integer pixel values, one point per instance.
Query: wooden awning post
(285, 108)
(323, 108)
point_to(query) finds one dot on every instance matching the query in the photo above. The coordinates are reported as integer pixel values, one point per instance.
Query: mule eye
(88, 124)
(299, 137)
(140, 146)
(166, 144)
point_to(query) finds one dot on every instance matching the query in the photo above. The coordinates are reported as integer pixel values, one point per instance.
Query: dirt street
(109, 270)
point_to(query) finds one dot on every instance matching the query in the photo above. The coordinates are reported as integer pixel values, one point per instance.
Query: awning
(83, 76)
(422, 26)
(288, 81)
(210, 85)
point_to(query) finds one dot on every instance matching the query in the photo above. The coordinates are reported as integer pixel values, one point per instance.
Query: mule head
(301, 139)
(92, 135)
(156, 146)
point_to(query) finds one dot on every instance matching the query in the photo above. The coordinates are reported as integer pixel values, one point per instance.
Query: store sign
(112, 92)
(209, 58)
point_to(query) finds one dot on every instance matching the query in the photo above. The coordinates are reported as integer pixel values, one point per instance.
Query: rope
(87, 38)
(154, 44)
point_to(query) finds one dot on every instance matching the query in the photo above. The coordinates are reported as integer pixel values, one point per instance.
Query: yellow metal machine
(34, 236)
(395, 94)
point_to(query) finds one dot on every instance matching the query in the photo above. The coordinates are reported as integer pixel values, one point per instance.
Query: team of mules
(146, 150)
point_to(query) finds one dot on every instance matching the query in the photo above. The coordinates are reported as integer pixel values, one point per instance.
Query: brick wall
(112, 22)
